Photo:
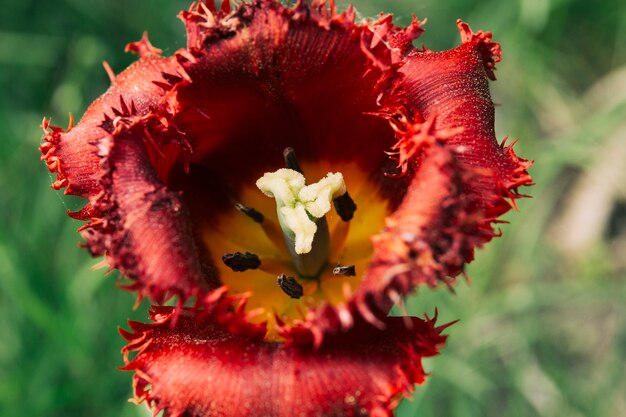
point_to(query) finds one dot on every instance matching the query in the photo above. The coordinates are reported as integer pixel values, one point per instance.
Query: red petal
(142, 226)
(432, 234)
(462, 175)
(461, 180)
(197, 369)
(451, 88)
(72, 155)
(267, 77)
(146, 231)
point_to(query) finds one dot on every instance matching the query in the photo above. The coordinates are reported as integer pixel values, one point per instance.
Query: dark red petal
(432, 234)
(463, 176)
(195, 368)
(71, 153)
(462, 180)
(142, 226)
(267, 77)
(146, 231)
(74, 161)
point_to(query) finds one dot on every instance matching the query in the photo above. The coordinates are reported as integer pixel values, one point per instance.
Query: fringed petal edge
(192, 367)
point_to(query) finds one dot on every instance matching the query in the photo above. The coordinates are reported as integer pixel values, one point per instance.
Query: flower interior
(327, 124)
(330, 272)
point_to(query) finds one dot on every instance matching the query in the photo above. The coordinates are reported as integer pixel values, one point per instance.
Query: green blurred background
(543, 323)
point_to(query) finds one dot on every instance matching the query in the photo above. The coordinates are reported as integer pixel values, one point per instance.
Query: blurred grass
(543, 323)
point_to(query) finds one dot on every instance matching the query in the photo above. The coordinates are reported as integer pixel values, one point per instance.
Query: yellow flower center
(294, 251)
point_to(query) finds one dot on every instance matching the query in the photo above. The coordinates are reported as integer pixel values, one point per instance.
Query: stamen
(345, 206)
(346, 270)
(254, 214)
(240, 262)
(290, 286)
(289, 154)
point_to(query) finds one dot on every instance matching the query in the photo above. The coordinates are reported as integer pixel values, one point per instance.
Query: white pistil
(299, 206)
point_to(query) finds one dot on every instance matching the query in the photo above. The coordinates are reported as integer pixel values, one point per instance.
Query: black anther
(290, 159)
(347, 270)
(290, 286)
(254, 214)
(240, 262)
(345, 207)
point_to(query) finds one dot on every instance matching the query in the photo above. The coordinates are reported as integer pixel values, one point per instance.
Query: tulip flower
(286, 178)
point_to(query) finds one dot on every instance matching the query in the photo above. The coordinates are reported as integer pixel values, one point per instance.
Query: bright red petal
(451, 88)
(268, 77)
(462, 180)
(145, 231)
(195, 368)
